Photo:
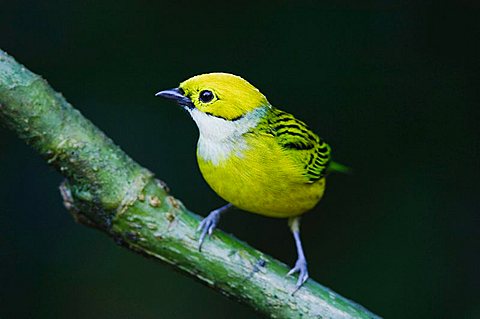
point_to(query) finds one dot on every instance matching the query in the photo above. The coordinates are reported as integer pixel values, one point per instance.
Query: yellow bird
(255, 156)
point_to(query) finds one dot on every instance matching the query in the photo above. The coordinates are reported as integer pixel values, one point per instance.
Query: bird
(255, 156)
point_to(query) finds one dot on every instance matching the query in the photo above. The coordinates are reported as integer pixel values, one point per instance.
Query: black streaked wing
(295, 137)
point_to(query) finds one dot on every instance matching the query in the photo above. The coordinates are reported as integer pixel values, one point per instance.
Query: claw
(207, 226)
(301, 268)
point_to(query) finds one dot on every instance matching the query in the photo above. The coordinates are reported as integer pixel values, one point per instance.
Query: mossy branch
(107, 190)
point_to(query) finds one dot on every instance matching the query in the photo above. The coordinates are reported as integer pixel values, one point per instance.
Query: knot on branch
(69, 204)
(93, 214)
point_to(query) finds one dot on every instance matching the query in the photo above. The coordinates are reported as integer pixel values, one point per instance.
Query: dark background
(389, 84)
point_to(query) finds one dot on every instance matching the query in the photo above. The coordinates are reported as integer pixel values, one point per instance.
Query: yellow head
(221, 95)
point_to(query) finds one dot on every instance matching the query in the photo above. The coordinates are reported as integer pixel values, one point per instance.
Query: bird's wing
(299, 142)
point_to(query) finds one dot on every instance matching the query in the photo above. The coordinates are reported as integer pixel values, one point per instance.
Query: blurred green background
(389, 84)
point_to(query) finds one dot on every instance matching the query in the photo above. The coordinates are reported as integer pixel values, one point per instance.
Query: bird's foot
(207, 225)
(301, 268)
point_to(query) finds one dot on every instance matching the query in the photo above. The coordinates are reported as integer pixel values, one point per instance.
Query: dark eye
(206, 96)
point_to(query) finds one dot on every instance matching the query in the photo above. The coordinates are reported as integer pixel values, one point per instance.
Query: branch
(107, 190)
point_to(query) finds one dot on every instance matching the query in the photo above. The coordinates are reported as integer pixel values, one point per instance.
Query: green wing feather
(299, 141)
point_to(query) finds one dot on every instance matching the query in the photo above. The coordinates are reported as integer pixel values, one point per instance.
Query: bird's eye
(206, 96)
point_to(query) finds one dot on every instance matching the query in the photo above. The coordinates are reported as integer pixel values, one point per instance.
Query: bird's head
(221, 95)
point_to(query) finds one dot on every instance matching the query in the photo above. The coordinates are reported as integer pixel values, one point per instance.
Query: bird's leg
(208, 224)
(301, 264)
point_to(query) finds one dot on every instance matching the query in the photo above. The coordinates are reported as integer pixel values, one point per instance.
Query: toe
(292, 271)
(210, 229)
(204, 228)
(302, 278)
(202, 224)
(202, 238)
(301, 268)
(207, 226)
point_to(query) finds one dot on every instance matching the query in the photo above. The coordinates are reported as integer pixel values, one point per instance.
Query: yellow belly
(263, 180)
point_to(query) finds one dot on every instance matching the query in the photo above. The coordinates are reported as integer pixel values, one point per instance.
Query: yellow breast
(260, 178)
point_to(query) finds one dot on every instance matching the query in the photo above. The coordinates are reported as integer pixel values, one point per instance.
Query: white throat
(219, 139)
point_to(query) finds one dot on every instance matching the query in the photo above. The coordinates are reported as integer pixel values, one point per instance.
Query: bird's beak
(177, 96)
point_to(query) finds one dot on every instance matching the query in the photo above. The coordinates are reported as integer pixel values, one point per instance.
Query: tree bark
(106, 189)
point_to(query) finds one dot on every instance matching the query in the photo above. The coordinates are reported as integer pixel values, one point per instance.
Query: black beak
(177, 96)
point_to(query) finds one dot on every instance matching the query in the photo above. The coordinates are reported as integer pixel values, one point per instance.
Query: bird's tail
(338, 168)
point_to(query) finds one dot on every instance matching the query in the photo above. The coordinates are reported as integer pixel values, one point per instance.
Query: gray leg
(208, 224)
(301, 264)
